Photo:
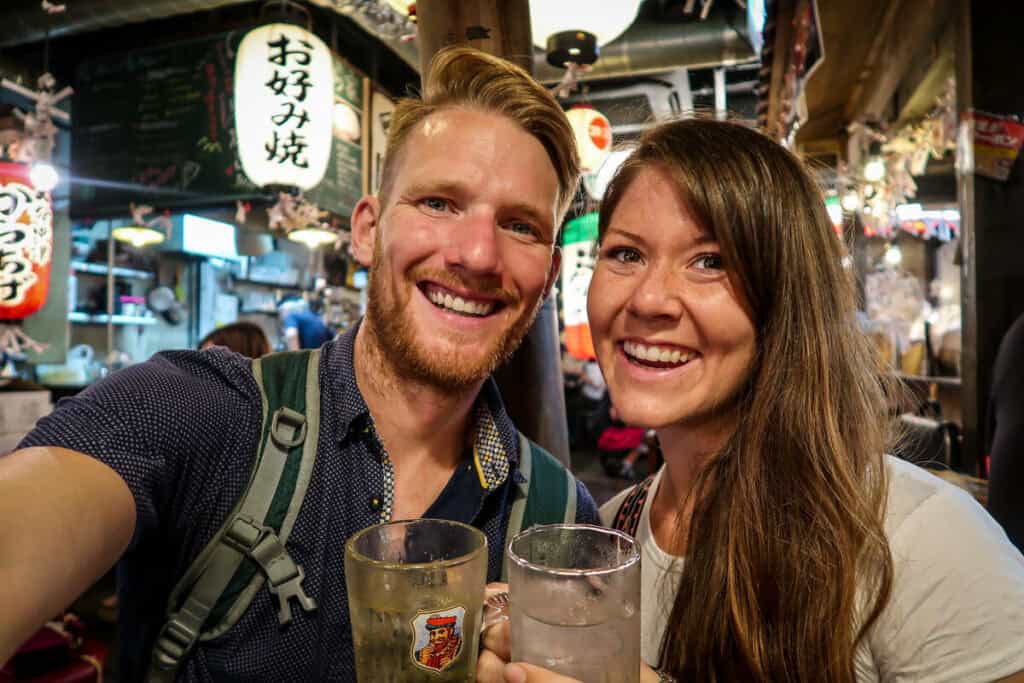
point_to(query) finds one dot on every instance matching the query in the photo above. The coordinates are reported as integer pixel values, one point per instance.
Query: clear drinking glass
(416, 591)
(575, 601)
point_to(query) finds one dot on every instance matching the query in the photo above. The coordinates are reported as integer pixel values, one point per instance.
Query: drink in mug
(416, 593)
(575, 605)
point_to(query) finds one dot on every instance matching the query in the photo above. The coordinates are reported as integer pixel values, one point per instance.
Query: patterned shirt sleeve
(586, 508)
(160, 425)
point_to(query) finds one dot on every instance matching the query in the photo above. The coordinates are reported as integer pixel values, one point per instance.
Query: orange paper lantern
(26, 243)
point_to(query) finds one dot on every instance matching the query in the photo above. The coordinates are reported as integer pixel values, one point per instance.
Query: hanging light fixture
(313, 236)
(138, 235)
(850, 201)
(573, 31)
(605, 21)
(874, 169)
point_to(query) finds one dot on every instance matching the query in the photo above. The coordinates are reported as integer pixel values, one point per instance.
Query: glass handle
(495, 610)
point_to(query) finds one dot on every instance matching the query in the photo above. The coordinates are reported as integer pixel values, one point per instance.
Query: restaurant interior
(165, 210)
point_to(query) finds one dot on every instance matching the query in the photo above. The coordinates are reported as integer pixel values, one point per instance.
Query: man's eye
(709, 262)
(522, 228)
(435, 204)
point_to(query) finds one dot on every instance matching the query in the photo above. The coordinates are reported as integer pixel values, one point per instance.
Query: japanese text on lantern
(284, 94)
(26, 227)
(290, 84)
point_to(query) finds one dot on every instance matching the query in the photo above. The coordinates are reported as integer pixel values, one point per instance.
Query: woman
(243, 337)
(724, 320)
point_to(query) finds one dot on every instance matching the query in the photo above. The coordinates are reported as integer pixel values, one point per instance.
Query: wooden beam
(906, 29)
(780, 60)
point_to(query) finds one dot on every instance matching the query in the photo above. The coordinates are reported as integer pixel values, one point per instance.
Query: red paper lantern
(26, 243)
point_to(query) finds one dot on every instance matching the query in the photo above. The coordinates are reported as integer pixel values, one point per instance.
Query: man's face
(462, 253)
(440, 635)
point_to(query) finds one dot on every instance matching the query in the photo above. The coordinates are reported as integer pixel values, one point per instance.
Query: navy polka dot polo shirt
(181, 429)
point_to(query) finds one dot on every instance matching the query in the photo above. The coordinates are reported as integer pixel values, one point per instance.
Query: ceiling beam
(908, 28)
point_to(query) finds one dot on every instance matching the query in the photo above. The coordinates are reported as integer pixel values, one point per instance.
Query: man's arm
(65, 519)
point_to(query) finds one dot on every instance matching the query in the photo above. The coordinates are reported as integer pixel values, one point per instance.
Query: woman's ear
(365, 221)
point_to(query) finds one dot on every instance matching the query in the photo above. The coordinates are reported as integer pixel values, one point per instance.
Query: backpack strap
(249, 548)
(544, 493)
(627, 519)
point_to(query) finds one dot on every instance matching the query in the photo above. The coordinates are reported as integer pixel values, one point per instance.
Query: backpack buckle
(288, 428)
(289, 588)
(174, 641)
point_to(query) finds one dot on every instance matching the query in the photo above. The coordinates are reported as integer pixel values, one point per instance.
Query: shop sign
(284, 98)
(997, 141)
(593, 135)
(579, 248)
(26, 243)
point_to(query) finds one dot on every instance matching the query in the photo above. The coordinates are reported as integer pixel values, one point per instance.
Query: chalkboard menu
(156, 126)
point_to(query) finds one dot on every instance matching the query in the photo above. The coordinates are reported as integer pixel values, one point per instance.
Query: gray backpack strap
(545, 493)
(249, 549)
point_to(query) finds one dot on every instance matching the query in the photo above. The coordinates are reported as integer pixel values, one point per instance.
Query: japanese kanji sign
(26, 244)
(284, 97)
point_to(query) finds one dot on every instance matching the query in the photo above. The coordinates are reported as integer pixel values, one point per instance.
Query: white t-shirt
(957, 608)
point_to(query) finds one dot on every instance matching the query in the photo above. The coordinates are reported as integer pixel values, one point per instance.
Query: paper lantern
(284, 106)
(593, 136)
(579, 245)
(26, 243)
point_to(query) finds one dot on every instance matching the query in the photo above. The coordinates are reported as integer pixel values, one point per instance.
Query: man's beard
(396, 340)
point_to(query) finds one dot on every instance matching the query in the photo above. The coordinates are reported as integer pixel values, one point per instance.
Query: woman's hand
(496, 644)
(528, 673)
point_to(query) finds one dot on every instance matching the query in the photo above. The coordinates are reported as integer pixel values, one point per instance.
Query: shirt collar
(495, 439)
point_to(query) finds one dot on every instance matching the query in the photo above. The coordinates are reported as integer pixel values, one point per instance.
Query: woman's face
(673, 337)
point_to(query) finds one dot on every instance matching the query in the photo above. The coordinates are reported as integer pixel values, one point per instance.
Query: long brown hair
(787, 561)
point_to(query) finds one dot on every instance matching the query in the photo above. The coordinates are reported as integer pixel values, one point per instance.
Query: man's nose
(475, 246)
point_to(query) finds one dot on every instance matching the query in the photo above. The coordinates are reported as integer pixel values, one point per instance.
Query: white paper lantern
(284, 97)
(606, 20)
(593, 136)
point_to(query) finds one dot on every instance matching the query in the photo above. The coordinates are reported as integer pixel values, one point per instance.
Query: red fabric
(84, 665)
(620, 438)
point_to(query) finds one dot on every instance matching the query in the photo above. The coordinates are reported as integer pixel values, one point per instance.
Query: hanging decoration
(579, 247)
(26, 253)
(304, 222)
(997, 142)
(593, 134)
(284, 106)
(881, 164)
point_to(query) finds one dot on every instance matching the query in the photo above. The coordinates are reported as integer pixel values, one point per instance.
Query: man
(151, 461)
(303, 329)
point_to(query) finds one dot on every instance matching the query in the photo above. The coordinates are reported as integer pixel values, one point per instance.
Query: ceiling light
(850, 201)
(874, 170)
(893, 256)
(606, 20)
(313, 237)
(44, 176)
(137, 235)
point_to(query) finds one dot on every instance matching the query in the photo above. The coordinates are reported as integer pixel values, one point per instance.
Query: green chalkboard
(156, 126)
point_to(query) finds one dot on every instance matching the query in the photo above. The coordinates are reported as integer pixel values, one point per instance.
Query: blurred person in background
(303, 329)
(245, 338)
(1005, 434)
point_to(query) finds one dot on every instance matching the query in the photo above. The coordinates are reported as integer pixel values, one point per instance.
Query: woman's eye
(709, 262)
(623, 254)
(435, 204)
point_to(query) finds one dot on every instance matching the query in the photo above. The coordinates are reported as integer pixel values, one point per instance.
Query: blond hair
(464, 77)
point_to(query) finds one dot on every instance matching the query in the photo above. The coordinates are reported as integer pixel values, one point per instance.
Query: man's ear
(556, 266)
(365, 221)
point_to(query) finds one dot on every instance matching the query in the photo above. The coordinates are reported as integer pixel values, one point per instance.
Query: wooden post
(531, 383)
(992, 211)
